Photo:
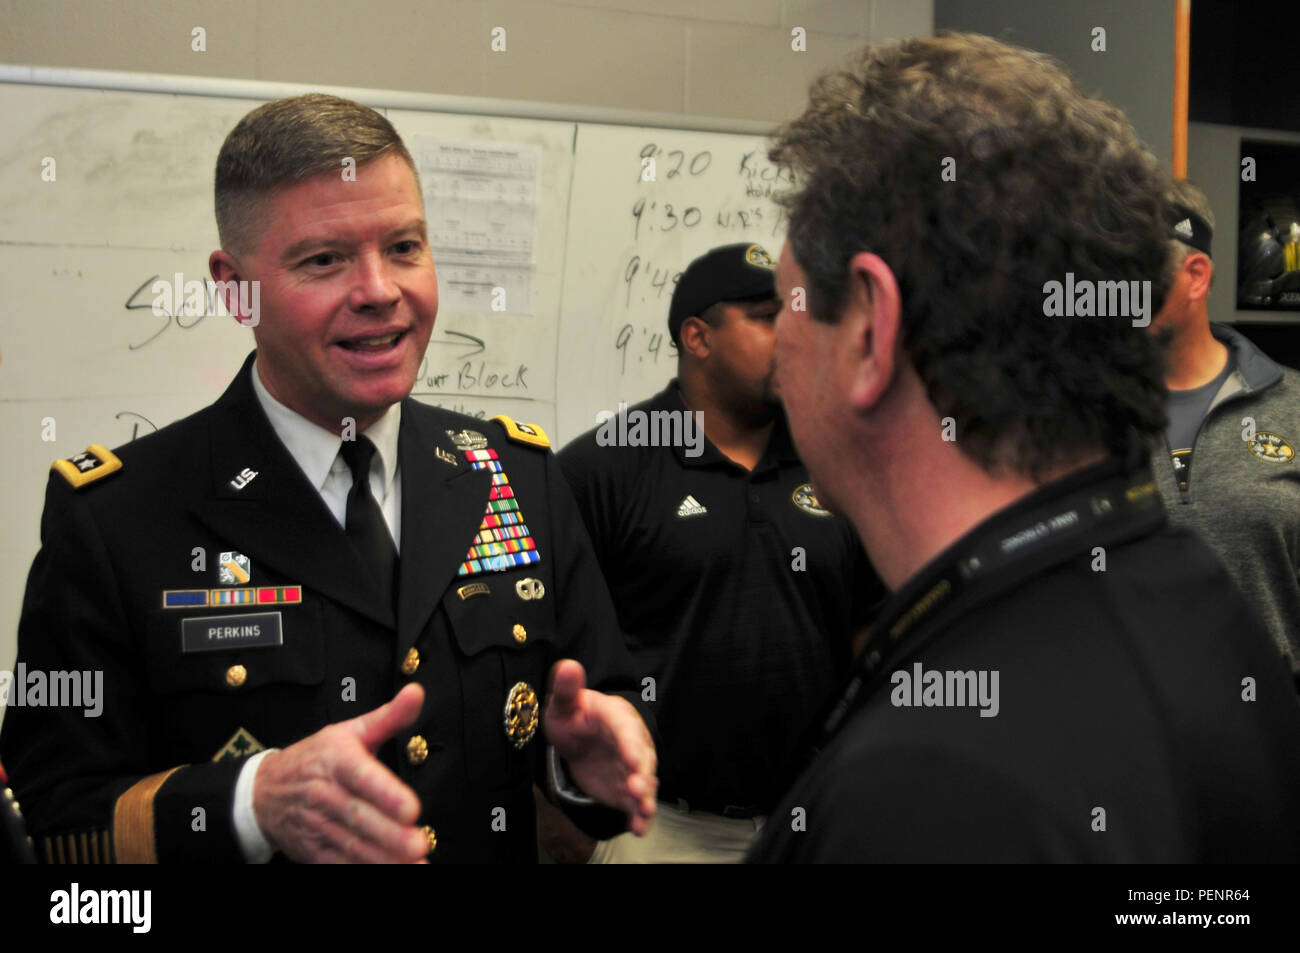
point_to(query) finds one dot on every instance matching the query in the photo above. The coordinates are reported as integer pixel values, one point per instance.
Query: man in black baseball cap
(732, 273)
(737, 591)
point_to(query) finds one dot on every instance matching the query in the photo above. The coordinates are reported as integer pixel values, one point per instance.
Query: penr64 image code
(1223, 895)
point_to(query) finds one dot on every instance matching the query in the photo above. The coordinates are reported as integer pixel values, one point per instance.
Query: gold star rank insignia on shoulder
(93, 463)
(530, 434)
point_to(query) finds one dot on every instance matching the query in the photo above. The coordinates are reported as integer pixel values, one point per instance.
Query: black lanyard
(1040, 531)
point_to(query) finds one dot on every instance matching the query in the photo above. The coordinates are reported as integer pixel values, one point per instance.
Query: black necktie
(365, 520)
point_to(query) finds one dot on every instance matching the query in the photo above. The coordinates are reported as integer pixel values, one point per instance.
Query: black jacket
(1142, 712)
(94, 601)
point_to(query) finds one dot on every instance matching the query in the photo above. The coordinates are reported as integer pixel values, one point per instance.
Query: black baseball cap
(740, 272)
(1190, 228)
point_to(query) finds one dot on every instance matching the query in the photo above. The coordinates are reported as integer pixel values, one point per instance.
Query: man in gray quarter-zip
(1234, 429)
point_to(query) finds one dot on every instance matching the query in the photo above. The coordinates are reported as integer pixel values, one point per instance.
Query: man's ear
(1199, 271)
(694, 337)
(227, 273)
(873, 315)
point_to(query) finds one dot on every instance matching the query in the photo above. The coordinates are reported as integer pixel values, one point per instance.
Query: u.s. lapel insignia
(93, 463)
(234, 569)
(446, 457)
(243, 478)
(804, 498)
(240, 745)
(521, 714)
(467, 439)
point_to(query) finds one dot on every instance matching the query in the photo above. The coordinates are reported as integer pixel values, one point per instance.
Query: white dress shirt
(316, 451)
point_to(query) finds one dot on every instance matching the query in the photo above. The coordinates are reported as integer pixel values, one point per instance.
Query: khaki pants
(682, 837)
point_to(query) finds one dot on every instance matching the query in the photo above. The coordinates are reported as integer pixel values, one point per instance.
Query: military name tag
(213, 633)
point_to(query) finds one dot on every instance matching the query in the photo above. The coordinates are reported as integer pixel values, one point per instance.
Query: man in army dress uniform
(324, 612)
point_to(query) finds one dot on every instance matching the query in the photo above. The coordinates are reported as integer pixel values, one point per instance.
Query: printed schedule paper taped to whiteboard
(481, 200)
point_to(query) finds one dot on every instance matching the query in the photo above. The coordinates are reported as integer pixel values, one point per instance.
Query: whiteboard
(630, 239)
(83, 358)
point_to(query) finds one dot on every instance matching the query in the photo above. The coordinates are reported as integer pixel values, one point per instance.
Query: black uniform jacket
(1141, 712)
(99, 788)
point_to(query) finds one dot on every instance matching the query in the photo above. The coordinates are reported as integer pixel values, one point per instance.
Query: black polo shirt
(1121, 726)
(700, 556)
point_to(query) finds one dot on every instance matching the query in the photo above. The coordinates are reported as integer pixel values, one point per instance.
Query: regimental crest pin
(804, 498)
(1271, 448)
(466, 440)
(234, 569)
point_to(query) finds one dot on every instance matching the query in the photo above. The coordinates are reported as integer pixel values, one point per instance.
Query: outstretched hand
(605, 744)
(327, 798)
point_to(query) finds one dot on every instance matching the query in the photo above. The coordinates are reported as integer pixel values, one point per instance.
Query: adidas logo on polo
(691, 507)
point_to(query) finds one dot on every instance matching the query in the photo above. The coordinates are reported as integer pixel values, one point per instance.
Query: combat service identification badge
(521, 714)
(804, 498)
(1271, 448)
